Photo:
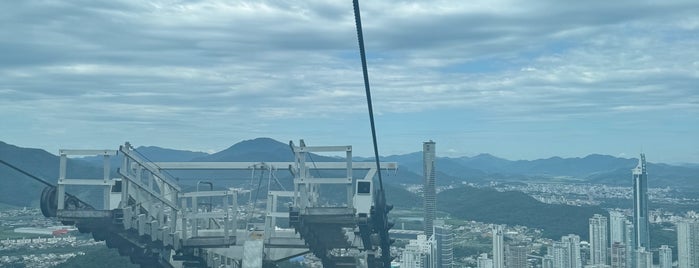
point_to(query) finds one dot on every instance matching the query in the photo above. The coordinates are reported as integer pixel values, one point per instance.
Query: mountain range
(594, 168)
(481, 168)
(462, 202)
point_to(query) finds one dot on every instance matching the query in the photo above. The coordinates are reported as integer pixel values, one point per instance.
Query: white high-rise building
(547, 261)
(665, 256)
(640, 205)
(566, 253)
(598, 240)
(629, 241)
(484, 261)
(498, 247)
(573, 242)
(688, 244)
(443, 246)
(516, 256)
(617, 227)
(644, 259)
(417, 253)
(561, 254)
(428, 190)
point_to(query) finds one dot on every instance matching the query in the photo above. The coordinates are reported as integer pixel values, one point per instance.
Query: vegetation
(663, 234)
(98, 257)
(401, 198)
(516, 208)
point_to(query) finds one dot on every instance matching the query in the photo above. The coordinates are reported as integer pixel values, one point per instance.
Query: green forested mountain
(99, 256)
(20, 190)
(516, 208)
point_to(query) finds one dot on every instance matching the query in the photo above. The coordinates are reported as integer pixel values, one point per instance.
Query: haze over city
(530, 81)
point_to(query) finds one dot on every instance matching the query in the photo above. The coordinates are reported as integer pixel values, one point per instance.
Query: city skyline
(517, 81)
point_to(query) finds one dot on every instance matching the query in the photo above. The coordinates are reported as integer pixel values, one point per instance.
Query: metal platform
(145, 214)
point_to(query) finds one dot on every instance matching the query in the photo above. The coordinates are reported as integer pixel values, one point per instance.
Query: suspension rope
(360, 38)
(42, 181)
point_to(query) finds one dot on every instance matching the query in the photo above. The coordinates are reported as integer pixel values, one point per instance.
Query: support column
(61, 177)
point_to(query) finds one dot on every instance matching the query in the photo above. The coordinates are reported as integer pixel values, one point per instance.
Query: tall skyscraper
(428, 190)
(640, 205)
(498, 247)
(598, 240)
(573, 242)
(516, 256)
(444, 247)
(665, 256)
(688, 244)
(619, 256)
(616, 227)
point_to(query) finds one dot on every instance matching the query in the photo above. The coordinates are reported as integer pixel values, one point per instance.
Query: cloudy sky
(517, 80)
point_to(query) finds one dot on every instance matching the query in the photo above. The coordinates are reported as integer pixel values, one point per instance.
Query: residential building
(688, 244)
(598, 240)
(443, 246)
(665, 256)
(417, 253)
(644, 258)
(516, 256)
(619, 255)
(484, 262)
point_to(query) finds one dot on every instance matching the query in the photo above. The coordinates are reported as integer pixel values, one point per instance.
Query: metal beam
(305, 149)
(325, 180)
(86, 152)
(278, 165)
(86, 182)
(282, 193)
(206, 194)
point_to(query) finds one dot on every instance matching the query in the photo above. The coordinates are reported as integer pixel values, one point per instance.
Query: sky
(520, 81)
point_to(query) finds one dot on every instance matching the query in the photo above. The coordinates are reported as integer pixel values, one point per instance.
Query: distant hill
(159, 154)
(154, 153)
(260, 149)
(594, 168)
(512, 208)
(516, 208)
(19, 190)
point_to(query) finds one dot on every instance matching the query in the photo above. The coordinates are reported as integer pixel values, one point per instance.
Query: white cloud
(189, 63)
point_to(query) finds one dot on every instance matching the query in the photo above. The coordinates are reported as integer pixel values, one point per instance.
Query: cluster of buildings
(614, 242)
(39, 252)
(434, 248)
(433, 252)
(32, 240)
(37, 260)
(39, 242)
